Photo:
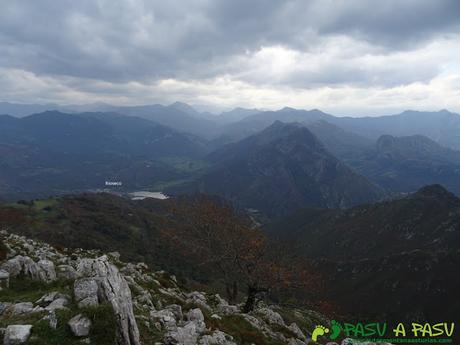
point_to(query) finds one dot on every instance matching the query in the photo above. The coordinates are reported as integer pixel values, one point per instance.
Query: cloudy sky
(350, 57)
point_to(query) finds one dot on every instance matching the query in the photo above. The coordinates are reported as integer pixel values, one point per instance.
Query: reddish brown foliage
(231, 246)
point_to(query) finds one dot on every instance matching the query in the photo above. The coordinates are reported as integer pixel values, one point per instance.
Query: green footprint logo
(319, 331)
(336, 329)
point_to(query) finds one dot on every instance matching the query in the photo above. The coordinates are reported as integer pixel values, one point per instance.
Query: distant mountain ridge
(404, 164)
(52, 152)
(280, 169)
(442, 127)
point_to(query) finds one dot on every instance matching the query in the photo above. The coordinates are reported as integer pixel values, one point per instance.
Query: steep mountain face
(404, 164)
(54, 152)
(403, 251)
(342, 144)
(282, 169)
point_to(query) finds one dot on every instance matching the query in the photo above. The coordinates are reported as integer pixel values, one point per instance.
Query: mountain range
(52, 152)
(395, 259)
(311, 159)
(280, 169)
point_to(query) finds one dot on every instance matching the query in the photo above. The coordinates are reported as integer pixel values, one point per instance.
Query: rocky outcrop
(16, 334)
(85, 292)
(43, 270)
(111, 287)
(80, 325)
(143, 305)
(4, 280)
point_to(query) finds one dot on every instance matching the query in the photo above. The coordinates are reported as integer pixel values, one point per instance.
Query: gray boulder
(166, 318)
(217, 338)
(85, 291)
(16, 334)
(66, 272)
(13, 266)
(50, 297)
(113, 288)
(47, 272)
(297, 331)
(187, 335)
(42, 270)
(4, 279)
(195, 315)
(176, 310)
(22, 308)
(59, 303)
(80, 325)
(271, 317)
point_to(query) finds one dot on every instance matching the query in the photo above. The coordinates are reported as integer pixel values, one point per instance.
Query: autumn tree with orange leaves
(237, 251)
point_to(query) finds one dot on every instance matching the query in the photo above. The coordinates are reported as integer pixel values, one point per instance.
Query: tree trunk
(232, 292)
(253, 298)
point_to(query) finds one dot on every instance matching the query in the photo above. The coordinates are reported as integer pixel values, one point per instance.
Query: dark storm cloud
(138, 40)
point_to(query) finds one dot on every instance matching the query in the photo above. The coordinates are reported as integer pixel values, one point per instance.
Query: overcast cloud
(345, 56)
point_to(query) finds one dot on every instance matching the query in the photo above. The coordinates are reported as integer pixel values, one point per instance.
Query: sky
(348, 57)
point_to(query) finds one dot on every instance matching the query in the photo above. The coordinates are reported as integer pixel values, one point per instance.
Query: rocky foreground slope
(51, 296)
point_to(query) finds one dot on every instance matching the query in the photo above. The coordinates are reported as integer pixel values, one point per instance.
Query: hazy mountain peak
(186, 108)
(435, 191)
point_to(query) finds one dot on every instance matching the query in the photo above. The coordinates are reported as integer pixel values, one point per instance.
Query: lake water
(140, 195)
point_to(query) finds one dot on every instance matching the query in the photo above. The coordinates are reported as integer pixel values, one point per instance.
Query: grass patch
(242, 331)
(24, 289)
(43, 334)
(104, 325)
(40, 205)
(24, 319)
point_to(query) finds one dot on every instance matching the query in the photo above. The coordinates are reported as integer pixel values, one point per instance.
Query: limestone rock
(187, 335)
(176, 310)
(59, 303)
(85, 291)
(13, 266)
(270, 316)
(195, 315)
(47, 272)
(80, 325)
(42, 270)
(297, 331)
(45, 300)
(22, 308)
(113, 288)
(197, 298)
(217, 338)
(4, 279)
(66, 272)
(166, 318)
(16, 334)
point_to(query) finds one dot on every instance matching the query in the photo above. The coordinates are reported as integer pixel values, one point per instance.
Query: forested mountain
(53, 152)
(404, 164)
(280, 169)
(404, 251)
